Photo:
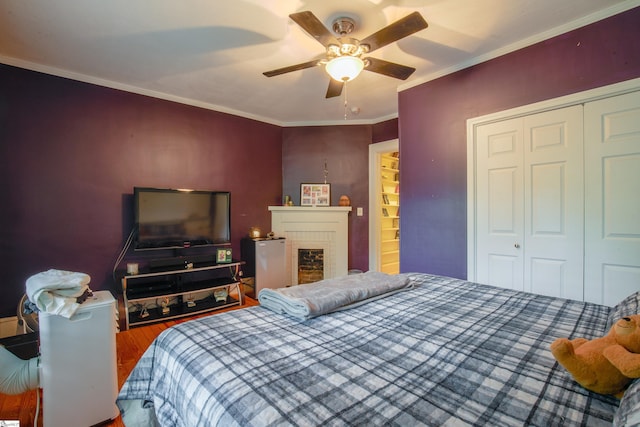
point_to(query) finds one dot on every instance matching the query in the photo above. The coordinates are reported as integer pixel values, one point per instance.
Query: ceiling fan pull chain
(345, 100)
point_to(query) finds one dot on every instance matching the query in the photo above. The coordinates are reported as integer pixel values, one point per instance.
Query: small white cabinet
(265, 262)
(78, 366)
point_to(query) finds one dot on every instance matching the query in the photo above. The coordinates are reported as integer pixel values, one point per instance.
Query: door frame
(538, 107)
(375, 185)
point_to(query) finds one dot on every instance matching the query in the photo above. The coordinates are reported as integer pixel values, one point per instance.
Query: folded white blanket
(314, 299)
(56, 291)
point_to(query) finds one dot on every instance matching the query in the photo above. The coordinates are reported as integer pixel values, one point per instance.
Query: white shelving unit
(390, 213)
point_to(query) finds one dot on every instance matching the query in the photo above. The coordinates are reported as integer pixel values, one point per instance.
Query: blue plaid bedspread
(446, 353)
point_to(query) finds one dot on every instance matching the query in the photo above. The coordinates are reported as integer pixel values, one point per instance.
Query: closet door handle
(517, 246)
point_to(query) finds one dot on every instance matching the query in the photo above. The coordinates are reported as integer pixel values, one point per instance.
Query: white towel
(56, 291)
(326, 296)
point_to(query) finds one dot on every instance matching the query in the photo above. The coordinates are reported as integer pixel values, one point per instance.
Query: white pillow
(628, 414)
(628, 306)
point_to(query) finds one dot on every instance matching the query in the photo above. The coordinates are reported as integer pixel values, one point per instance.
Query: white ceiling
(213, 53)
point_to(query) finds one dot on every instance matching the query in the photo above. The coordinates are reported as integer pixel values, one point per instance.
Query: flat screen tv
(172, 219)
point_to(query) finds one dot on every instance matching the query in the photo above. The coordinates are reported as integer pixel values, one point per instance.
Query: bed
(445, 352)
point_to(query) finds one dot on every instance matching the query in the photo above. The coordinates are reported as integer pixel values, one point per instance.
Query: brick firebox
(310, 265)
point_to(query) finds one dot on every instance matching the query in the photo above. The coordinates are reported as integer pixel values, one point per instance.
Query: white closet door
(529, 203)
(553, 203)
(612, 201)
(499, 200)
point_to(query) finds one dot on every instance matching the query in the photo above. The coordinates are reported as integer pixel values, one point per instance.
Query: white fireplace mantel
(308, 227)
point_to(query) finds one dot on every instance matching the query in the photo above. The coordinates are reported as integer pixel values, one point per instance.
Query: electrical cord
(123, 252)
(35, 417)
(234, 274)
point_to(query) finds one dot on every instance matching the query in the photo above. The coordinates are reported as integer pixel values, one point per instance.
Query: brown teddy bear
(607, 364)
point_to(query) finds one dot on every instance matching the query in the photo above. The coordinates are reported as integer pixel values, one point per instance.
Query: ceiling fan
(345, 56)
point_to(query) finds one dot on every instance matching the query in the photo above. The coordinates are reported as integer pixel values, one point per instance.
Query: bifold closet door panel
(612, 198)
(499, 204)
(554, 203)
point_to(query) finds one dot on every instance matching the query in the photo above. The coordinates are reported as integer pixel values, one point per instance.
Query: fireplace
(318, 232)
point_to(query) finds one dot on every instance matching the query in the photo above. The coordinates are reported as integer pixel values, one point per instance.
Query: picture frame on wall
(315, 194)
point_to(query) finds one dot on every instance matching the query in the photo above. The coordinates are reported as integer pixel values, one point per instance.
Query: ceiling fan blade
(312, 25)
(402, 28)
(291, 68)
(334, 89)
(387, 68)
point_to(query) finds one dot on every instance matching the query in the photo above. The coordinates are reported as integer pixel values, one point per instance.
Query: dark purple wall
(385, 131)
(71, 153)
(433, 118)
(346, 150)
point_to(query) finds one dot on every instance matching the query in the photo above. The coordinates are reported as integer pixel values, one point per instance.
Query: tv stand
(178, 290)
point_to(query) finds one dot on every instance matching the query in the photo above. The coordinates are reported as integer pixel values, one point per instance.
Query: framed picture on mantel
(315, 194)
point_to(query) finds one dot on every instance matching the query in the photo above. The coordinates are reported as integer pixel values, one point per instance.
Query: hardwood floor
(130, 346)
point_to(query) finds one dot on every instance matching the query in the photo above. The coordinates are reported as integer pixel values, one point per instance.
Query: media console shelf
(157, 296)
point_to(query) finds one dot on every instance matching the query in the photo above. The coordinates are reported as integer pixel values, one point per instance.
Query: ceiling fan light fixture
(350, 47)
(344, 68)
